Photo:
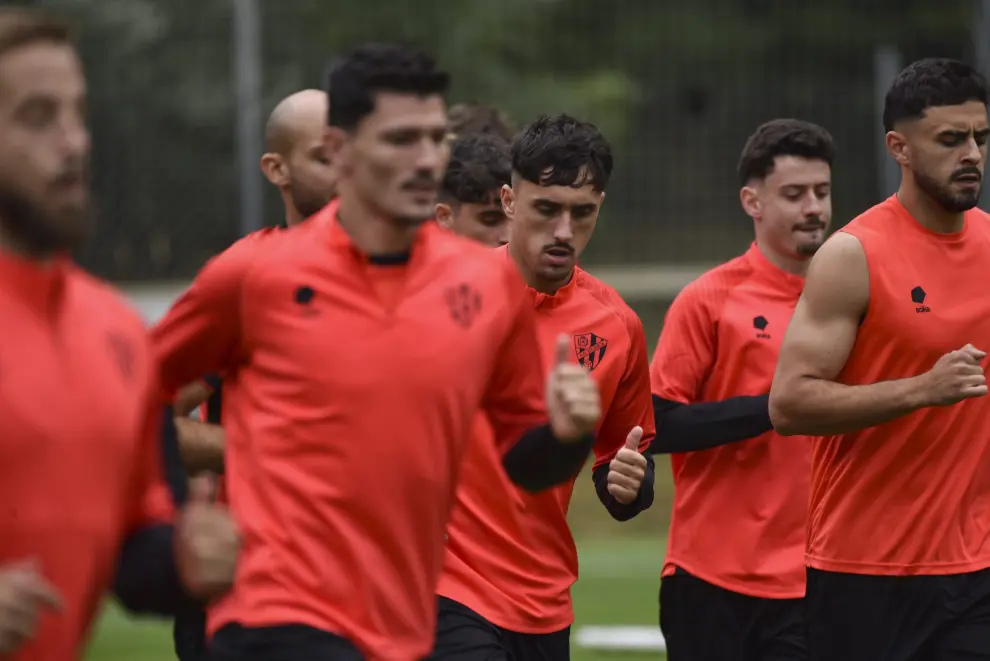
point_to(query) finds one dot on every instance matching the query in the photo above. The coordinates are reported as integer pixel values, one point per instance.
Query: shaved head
(295, 158)
(296, 116)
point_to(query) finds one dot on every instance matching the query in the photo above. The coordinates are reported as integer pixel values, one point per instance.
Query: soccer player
(470, 202)
(359, 347)
(469, 118)
(295, 162)
(511, 560)
(79, 471)
(884, 363)
(734, 578)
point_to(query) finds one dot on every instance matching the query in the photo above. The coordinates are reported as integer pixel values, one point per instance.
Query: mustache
(420, 180)
(813, 223)
(71, 173)
(967, 171)
(560, 245)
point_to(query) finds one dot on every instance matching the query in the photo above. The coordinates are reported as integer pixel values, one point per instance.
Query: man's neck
(370, 230)
(926, 211)
(292, 215)
(788, 264)
(10, 245)
(532, 280)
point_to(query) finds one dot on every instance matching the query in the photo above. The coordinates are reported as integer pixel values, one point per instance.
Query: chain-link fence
(677, 85)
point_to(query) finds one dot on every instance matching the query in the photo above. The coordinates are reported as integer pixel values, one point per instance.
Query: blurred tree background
(677, 85)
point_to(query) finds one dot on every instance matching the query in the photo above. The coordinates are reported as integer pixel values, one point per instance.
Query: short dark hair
(354, 80)
(562, 151)
(783, 137)
(479, 166)
(21, 26)
(479, 118)
(930, 83)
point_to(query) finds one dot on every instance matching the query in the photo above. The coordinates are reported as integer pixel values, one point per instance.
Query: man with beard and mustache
(511, 559)
(359, 349)
(733, 577)
(884, 364)
(295, 162)
(79, 466)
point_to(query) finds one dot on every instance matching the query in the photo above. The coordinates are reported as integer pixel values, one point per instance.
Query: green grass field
(618, 585)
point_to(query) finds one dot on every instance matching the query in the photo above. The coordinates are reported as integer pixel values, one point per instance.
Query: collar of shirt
(339, 239)
(543, 301)
(38, 284)
(771, 273)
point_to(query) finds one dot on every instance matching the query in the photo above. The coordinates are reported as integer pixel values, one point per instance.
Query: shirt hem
(738, 587)
(553, 625)
(892, 569)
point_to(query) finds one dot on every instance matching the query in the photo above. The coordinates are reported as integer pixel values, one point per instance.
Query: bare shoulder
(841, 260)
(838, 278)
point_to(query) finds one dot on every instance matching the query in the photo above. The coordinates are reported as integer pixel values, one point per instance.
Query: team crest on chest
(464, 302)
(590, 350)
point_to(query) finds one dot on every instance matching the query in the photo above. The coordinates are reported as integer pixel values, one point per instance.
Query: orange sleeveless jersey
(510, 555)
(740, 510)
(911, 496)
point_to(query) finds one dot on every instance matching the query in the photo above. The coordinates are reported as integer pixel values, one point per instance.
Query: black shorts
(463, 635)
(703, 622)
(855, 617)
(291, 642)
(189, 635)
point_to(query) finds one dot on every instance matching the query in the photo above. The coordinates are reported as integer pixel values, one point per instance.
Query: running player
(884, 363)
(470, 202)
(80, 476)
(511, 560)
(733, 579)
(295, 162)
(360, 347)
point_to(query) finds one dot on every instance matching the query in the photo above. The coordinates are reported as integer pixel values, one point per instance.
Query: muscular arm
(201, 445)
(805, 398)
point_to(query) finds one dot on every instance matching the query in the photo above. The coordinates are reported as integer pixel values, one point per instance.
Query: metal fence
(180, 88)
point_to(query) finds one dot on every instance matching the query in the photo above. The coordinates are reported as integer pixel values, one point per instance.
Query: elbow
(782, 411)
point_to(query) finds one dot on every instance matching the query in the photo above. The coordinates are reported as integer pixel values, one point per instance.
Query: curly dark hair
(479, 167)
(783, 137)
(467, 118)
(562, 151)
(930, 83)
(354, 80)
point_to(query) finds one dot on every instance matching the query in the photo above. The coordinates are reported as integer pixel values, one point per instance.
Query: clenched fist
(627, 470)
(573, 403)
(207, 544)
(956, 376)
(24, 595)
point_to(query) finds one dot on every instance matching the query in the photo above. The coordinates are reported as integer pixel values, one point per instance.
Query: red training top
(79, 455)
(356, 388)
(911, 496)
(740, 510)
(510, 554)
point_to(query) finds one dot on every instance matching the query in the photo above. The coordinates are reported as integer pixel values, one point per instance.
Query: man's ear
(274, 169)
(749, 198)
(508, 197)
(444, 215)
